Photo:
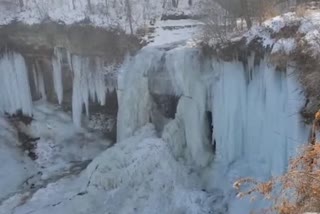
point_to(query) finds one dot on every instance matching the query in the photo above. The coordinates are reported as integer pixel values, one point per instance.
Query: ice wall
(88, 84)
(14, 84)
(257, 123)
(255, 110)
(87, 80)
(183, 69)
(133, 94)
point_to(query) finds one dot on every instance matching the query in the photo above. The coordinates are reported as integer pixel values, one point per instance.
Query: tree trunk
(89, 5)
(21, 4)
(129, 15)
(174, 3)
(73, 4)
(245, 13)
(164, 3)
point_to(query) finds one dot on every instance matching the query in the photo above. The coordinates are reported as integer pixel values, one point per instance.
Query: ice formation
(14, 84)
(257, 124)
(88, 84)
(57, 73)
(38, 79)
(255, 111)
(133, 94)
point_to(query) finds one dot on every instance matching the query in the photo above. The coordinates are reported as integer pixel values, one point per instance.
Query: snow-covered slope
(49, 148)
(102, 13)
(138, 175)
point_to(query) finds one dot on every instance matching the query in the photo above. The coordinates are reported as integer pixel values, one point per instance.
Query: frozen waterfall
(87, 80)
(255, 110)
(57, 74)
(88, 84)
(14, 84)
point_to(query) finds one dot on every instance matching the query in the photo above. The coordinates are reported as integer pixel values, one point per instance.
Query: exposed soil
(79, 39)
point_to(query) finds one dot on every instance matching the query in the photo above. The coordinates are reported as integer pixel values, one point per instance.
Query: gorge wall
(233, 119)
(74, 66)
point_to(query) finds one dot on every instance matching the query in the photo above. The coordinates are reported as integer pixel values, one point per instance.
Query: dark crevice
(210, 128)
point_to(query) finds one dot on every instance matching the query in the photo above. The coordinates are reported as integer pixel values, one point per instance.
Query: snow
(254, 110)
(174, 31)
(61, 142)
(286, 46)
(148, 180)
(101, 13)
(15, 166)
(313, 42)
(62, 149)
(14, 84)
(256, 123)
(307, 33)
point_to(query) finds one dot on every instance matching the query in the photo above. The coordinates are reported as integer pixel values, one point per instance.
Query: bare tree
(89, 5)
(21, 4)
(164, 3)
(73, 4)
(175, 3)
(129, 15)
(245, 12)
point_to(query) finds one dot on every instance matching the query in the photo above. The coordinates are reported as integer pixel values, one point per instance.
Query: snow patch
(286, 46)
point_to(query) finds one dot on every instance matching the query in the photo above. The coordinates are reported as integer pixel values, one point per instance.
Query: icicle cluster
(14, 85)
(57, 74)
(88, 81)
(38, 80)
(254, 109)
(88, 84)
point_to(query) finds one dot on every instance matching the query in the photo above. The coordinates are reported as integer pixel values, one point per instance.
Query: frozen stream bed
(45, 151)
(138, 175)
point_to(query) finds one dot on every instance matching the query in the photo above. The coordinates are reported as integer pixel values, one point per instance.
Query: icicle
(57, 74)
(133, 95)
(88, 84)
(15, 91)
(40, 81)
(35, 78)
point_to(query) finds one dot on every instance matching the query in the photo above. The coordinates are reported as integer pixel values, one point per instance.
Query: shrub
(298, 190)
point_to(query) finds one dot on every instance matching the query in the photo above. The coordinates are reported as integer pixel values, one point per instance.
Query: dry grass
(301, 11)
(280, 60)
(298, 190)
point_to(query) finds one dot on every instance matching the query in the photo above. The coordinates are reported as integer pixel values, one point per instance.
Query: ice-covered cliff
(189, 124)
(231, 120)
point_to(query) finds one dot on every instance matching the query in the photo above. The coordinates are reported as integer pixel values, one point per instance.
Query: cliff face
(59, 60)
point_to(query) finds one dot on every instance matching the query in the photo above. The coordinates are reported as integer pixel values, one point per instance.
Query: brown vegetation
(298, 190)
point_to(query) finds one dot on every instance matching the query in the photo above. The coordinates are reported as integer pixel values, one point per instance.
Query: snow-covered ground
(138, 175)
(60, 150)
(307, 32)
(174, 31)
